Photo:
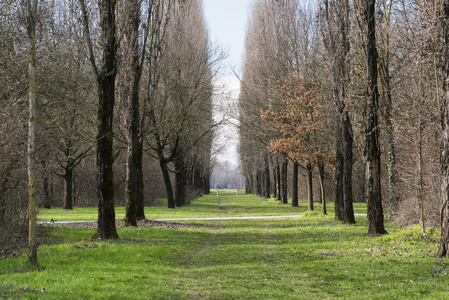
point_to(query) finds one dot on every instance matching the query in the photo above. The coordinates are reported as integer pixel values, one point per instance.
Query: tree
(336, 23)
(133, 72)
(181, 111)
(302, 125)
(444, 239)
(31, 8)
(105, 77)
(372, 147)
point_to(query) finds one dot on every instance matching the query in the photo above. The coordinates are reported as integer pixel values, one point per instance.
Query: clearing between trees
(312, 257)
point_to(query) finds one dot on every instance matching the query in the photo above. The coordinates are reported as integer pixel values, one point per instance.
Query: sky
(226, 21)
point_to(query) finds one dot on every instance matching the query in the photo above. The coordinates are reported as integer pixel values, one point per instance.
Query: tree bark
(372, 148)
(68, 189)
(295, 184)
(140, 211)
(106, 99)
(444, 239)
(309, 168)
(133, 185)
(46, 186)
(284, 173)
(32, 94)
(267, 178)
(167, 182)
(278, 181)
(180, 179)
(348, 210)
(323, 192)
(339, 171)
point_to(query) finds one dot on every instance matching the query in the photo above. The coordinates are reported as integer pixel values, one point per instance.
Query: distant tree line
(226, 175)
(354, 93)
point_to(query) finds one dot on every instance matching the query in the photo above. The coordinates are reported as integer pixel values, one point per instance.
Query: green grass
(312, 257)
(230, 205)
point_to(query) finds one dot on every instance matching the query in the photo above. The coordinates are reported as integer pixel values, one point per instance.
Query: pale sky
(226, 21)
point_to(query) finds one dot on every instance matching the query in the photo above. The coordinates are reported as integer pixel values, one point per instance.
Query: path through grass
(312, 257)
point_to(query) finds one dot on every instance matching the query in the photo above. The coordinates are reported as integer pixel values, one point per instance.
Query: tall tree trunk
(323, 191)
(167, 182)
(68, 188)
(140, 210)
(338, 45)
(106, 98)
(206, 181)
(278, 181)
(133, 71)
(384, 64)
(46, 186)
(267, 178)
(295, 184)
(348, 210)
(32, 93)
(339, 162)
(180, 179)
(374, 200)
(420, 174)
(444, 239)
(284, 175)
(309, 168)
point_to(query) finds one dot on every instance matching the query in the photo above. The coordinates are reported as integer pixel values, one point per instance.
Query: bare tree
(105, 77)
(31, 8)
(372, 148)
(444, 240)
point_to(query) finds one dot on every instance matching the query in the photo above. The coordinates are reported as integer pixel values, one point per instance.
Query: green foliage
(311, 257)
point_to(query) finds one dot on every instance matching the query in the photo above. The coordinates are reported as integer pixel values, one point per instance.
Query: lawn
(312, 257)
(226, 204)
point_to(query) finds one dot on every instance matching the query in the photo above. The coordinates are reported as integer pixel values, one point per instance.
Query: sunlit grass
(312, 257)
(226, 204)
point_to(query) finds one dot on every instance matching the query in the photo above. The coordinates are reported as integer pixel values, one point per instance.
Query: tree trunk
(278, 181)
(420, 175)
(106, 98)
(206, 182)
(339, 162)
(32, 94)
(323, 192)
(46, 186)
(284, 174)
(374, 200)
(140, 210)
(295, 184)
(309, 186)
(180, 178)
(384, 65)
(167, 182)
(444, 239)
(68, 189)
(267, 178)
(134, 182)
(348, 210)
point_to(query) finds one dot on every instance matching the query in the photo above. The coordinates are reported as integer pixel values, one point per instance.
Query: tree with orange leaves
(302, 125)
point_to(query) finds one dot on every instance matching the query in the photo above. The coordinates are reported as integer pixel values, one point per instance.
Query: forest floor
(311, 257)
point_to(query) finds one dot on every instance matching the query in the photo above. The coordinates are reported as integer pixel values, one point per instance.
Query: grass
(206, 206)
(312, 257)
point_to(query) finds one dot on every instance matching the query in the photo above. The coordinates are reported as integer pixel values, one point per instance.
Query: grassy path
(312, 257)
(227, 204)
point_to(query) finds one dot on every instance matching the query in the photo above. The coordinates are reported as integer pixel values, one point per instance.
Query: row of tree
(128, 81)
(357, 86)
